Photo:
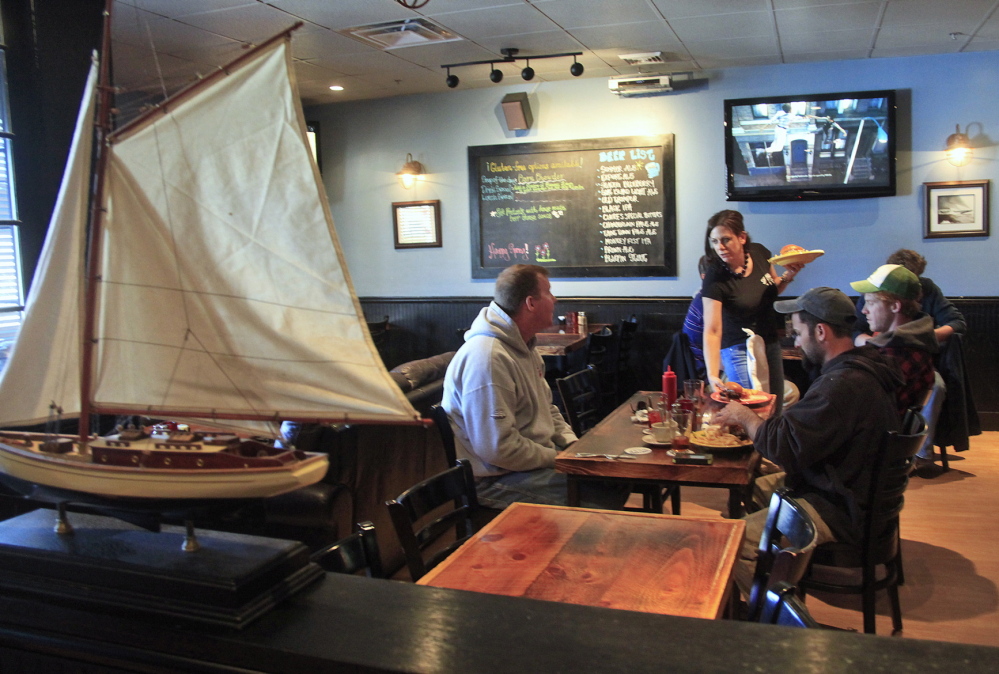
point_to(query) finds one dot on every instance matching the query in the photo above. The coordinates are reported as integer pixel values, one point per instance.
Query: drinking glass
(693, 389)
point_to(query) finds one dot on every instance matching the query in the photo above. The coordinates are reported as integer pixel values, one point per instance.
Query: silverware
(585, 455)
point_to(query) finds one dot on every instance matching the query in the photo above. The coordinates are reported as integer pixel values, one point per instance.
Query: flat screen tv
(819, 146)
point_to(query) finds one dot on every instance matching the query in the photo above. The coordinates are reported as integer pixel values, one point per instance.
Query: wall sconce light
(411, 171)
(510, 56)
(958, 148)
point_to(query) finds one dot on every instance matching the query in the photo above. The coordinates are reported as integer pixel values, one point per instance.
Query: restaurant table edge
(357, 624)
(722, 586)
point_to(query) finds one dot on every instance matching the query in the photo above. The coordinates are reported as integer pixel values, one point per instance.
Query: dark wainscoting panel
(421, 327)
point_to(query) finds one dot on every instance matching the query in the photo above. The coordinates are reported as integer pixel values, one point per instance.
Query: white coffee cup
(662, 432)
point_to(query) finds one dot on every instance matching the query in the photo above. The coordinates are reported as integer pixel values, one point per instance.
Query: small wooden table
(635, 561)
(730, 470)
(551, 342)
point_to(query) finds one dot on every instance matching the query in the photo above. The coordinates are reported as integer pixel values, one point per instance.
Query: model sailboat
(214, 289)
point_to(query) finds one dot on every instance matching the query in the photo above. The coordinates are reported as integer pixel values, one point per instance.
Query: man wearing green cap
(903, 332)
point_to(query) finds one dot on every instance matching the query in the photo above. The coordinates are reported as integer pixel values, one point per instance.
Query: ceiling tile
(944, 14)
(337, 14)
(926, 35)
(547, 42)
(743, 24)
(594, 13)
(830, 17)
(629, 37)
(177, 8)
(832, 55)
(251, 23)
(803, 42)
(496, 21)
(678, 9)
(733, 48)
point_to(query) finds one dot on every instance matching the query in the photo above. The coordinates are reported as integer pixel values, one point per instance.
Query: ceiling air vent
(646, 58)
(396, 34)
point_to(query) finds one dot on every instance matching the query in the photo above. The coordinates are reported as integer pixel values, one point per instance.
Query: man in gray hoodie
(500, 404)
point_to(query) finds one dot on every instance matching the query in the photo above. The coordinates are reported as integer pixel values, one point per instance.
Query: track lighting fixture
(412, 4)
(528, 72)
(510, 56)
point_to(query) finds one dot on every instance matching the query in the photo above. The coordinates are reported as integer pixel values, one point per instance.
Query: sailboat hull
(73, 473)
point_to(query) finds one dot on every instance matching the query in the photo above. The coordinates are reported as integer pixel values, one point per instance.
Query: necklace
(745, 268)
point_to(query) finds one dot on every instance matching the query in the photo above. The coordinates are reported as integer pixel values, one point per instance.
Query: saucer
(649, 440)
(638, 450)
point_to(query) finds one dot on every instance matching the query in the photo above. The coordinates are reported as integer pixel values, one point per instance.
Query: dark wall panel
(422, 327)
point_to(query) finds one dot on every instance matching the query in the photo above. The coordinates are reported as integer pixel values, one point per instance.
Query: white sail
(44, 365)
(224, 289)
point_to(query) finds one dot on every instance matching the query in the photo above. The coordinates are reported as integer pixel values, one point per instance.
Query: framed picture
(959, 208)
(417, 224)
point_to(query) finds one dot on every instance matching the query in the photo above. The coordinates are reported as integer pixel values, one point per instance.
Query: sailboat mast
(102, 128)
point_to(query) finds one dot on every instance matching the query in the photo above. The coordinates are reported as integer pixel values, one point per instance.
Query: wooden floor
(950, 547)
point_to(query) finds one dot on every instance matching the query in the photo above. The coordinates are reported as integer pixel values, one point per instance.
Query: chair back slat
(443, 424)
(782, 607)
(454, 486)
(786, 546)
(580, 394)
(353, 554)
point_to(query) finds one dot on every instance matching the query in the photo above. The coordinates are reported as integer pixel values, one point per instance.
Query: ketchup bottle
(669, 386)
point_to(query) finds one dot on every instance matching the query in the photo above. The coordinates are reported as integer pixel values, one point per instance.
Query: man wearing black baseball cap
(826, 440)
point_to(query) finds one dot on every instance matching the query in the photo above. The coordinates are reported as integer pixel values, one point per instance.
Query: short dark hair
(811, 320)
(515, 284)
(909, 259)
(728, 218)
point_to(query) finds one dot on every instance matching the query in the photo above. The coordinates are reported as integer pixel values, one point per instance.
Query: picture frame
(417, 224)
(956, 209)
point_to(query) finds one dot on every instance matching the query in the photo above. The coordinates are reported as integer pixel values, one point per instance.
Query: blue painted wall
(365, 143)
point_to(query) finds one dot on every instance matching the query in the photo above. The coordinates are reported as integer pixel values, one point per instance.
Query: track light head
(451, 81)
(527, 73)
(496, 75)
(576, 68)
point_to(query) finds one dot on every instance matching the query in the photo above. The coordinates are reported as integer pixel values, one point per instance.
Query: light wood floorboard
(950, 548)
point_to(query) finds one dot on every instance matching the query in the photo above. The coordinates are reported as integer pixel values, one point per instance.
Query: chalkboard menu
(581, 208)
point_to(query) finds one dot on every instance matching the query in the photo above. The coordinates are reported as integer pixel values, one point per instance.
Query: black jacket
(826, 440)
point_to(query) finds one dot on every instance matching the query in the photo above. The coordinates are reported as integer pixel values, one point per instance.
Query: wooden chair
(601, 354)
(880, 543)
(443, 424)
(455, 485)
(786, 546)
(580, 394)
(782, 607)
(355, 553)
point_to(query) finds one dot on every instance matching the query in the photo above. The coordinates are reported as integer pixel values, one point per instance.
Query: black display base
(109, 564)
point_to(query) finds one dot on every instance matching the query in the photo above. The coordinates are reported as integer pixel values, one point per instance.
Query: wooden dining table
(731, 470)
(665, 564)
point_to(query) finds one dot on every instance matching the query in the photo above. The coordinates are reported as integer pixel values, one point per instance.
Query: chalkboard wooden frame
(431, 209)
(663, 262)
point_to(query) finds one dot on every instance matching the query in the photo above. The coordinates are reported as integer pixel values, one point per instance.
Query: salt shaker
(582, 323)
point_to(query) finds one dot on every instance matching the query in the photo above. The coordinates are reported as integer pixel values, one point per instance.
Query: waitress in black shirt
(738, 292)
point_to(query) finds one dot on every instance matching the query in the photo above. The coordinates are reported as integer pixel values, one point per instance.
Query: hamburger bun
(791, 248)
(735, 386)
